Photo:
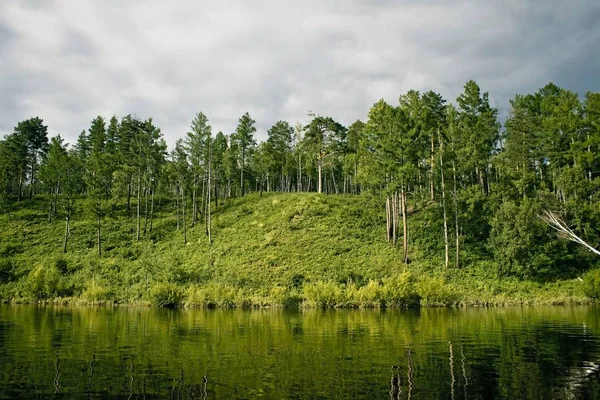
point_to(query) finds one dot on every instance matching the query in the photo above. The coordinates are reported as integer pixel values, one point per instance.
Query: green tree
(244, 143)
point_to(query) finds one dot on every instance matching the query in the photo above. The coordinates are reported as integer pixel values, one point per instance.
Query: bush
(62, 265)
(215, 295)
(591, 284)
(7, 270)
(42, 283)
(436, 292)
(165, 295)
(322, 294)
(282, 296)
(370, 295)
(399, 291)
(95, 292)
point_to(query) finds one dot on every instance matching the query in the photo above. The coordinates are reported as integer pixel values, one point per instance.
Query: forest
(445, 188)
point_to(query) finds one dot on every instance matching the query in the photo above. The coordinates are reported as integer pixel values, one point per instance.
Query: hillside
(279, 249)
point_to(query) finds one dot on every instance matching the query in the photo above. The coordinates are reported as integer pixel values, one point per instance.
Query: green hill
(279, 249)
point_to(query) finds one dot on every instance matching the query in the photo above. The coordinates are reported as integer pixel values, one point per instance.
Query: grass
(284, 249)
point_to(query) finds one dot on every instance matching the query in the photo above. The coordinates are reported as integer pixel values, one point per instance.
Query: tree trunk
(129, 195)
(139, 199)
(261, 184)
(99, 210)
(299, 172)
(395, 218)
(333, 181)
(431, 171)
(209, 230)
(388, 219)
(20, 188)
(183, 216)
(145, 208)
(446, 243)
(177, 205)
(320, 165)
(151, 207)
(194, 208)
(456, 230)
(404, 224)
(242, 173)
(66, 233)
(32, 179)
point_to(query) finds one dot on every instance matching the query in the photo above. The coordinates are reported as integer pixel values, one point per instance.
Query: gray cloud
(68, 61)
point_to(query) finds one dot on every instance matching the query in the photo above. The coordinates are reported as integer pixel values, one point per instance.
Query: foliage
(165, 295)
(591, 284)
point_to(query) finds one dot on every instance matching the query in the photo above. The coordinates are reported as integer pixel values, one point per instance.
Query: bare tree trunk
(394, 218)
(216, 193)
(20, 187)
(431, 171)
(209, 230)
(145, 207)
(563, 229)
(388, 219)
(334, 184)
(98, 211)
(242, 173)
(456, 230)
(66, 233)
(320, 165)
(404, 223)
(183, 216)
(32, 179)
(299, 172)
(446, 243)
(129, 195)
(194, 207)
(139, 193)
(177, 205)
(152, 207)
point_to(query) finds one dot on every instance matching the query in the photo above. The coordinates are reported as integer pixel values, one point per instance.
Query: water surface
(72, 352)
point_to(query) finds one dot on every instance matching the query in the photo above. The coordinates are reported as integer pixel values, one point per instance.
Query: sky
(68, 61)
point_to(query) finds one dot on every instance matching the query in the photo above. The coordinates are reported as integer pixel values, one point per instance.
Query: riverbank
(278, 250)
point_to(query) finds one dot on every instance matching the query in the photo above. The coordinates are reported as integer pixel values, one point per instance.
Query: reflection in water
(442, 353)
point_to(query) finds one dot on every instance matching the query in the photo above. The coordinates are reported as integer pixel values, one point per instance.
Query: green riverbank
(285, 249)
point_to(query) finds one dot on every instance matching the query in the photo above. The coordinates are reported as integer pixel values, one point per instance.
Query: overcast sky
(68, 61)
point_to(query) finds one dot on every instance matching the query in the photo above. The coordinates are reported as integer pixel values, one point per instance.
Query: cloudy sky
(70, 60)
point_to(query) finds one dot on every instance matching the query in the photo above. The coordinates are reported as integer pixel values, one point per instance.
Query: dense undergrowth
(286, 250)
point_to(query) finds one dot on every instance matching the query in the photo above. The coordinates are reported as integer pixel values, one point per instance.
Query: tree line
(483, 183)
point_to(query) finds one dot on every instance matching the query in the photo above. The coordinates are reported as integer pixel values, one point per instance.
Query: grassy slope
(266, 250)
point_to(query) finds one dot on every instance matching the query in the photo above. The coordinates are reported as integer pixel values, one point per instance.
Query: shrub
(42, 283)
(436, 292)
(7, 270)
(282, 296)
(370, 295)
(165, 295)
(214, 295)
(95, 292)
(591, 284)
(322, 294)
(62, 265)
(399, 291)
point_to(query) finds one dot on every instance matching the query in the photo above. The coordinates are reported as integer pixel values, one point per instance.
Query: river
(134, 352)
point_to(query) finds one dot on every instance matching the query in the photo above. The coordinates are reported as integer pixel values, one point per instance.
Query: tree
(53, 171)
(98, 173)
(197, 148)
(279, 141)
(244, 142)
(478, 125)
(323, 134)
(179, 158)
(354, 136)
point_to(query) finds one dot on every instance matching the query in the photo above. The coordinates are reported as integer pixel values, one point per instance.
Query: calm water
(541, 352)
